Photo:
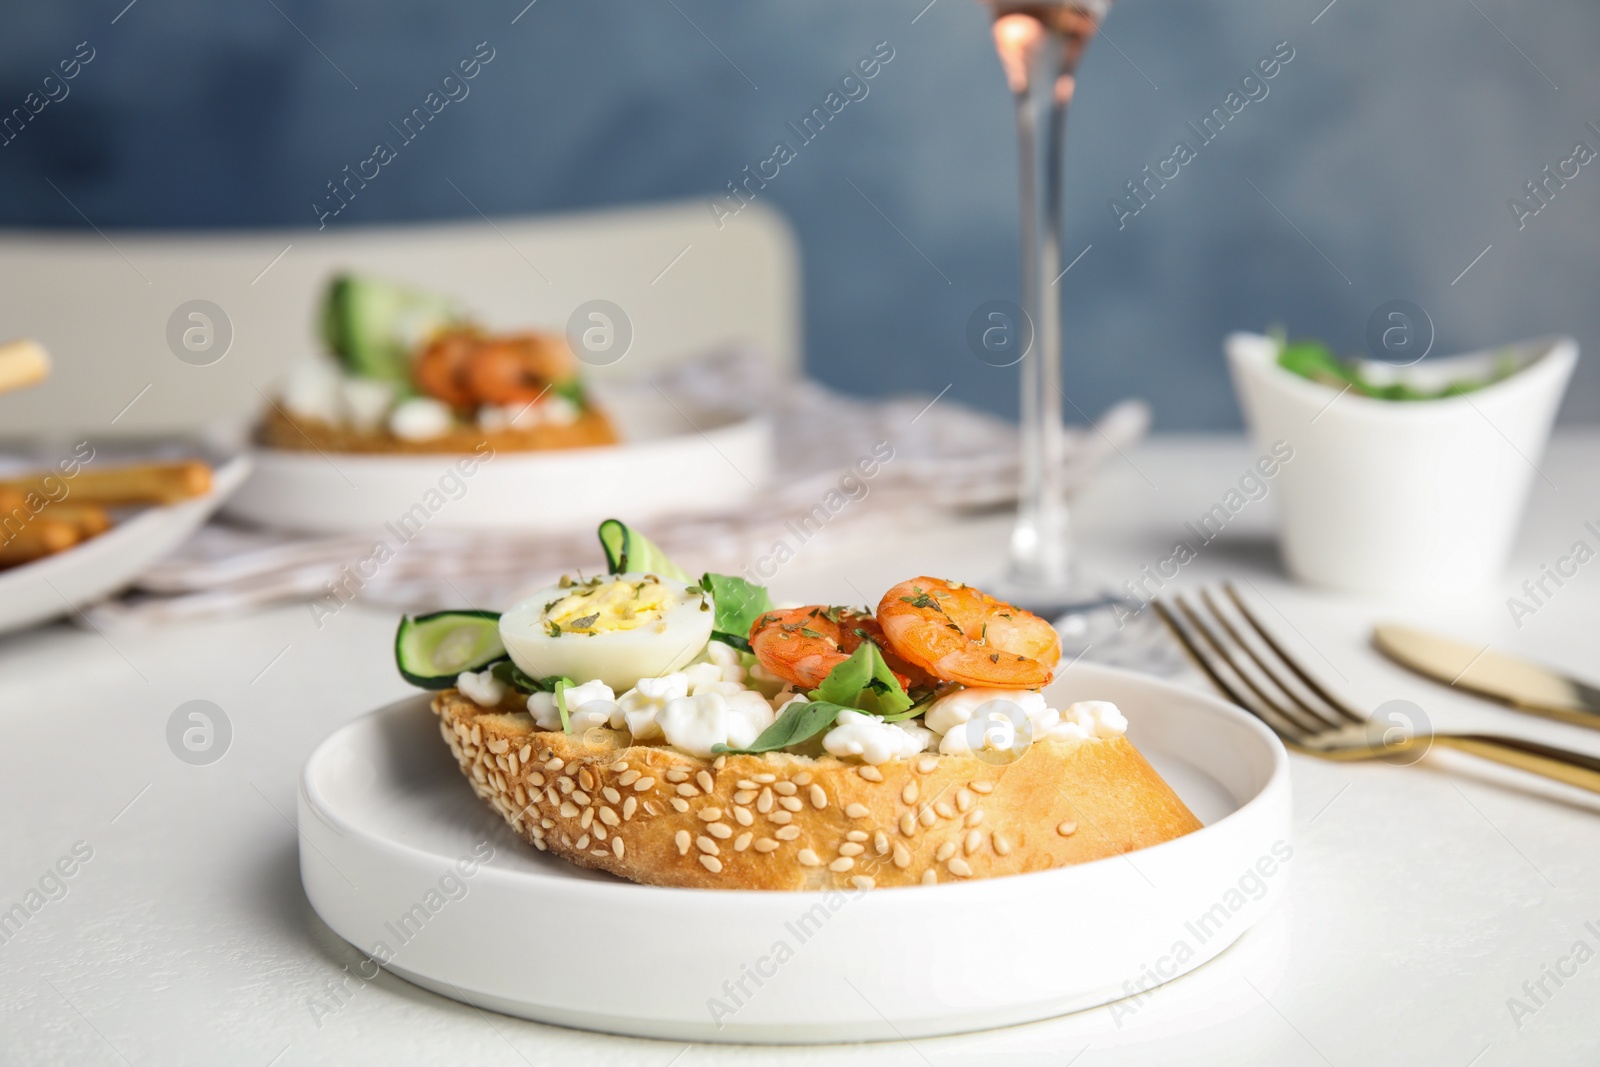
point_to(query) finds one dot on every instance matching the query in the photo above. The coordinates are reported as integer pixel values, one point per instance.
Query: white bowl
(39, 591)
(667, 463)
(384, 814)
(1385, 496)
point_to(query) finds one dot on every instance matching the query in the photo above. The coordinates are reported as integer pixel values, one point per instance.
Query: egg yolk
(609, 606)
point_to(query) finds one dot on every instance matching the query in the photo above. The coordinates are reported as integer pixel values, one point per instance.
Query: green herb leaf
(863, 682)
(738, 604)
(512, 675)
(799, 722)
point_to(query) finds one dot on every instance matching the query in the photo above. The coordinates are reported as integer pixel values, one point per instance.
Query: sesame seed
(612, 795)
(880, 843)
(569, 810)
(565, 785)
(616, 847)
(706, 845)
(803, 778)
(710, 814)
(588, 817)
(959, 867)
(536, 779)
(742, 842)
(983, 787)
(600, 832)
(902, 856)
(908, 823)
(682, 840)
(963, 798)
(781, 817)
(477, 734)
(870, 773)
(808, 858)
(586, 779)
(540, 845)
(554, 764)
(1002, 847)
(851, 848)
(677, 774)
(929, 877)
(745, 783)
(946, 850)
(550, 796)
(766, 844)
(786, 833)
(629, 806)
(707, 783)
(712, 864)
(687, 790)
(926, 764)
(843, 863)
(744, 796)
(723, 831)
(908, 795)
(720, 762)
(787, 789)
(819, 799)
(858, 811)
(547, 823)
(618, 767)
(627, 778)
(679, 804)
(583, 843)
(580, 798)
(512, 764)
(643, 784)
(1067, 829)
(546, 754)
(497, 745)
(764, 804)
(856, 835)
(861, 881)
(651, 808)
(944, 810)
(791, 803)
(766, 779)
(609, 817)
(974, 817)
(973, 840)
(743, 817)
(927, 818)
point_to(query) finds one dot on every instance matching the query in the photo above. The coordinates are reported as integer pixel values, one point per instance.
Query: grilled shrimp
(958, 634)
(801, 645)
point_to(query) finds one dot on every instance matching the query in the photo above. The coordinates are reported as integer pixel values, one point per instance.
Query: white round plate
(670, 462)
(391, 839)
(39, 591)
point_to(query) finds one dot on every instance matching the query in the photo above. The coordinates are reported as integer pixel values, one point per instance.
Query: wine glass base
(1097, 623)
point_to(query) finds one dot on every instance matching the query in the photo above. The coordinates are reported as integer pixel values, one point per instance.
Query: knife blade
(1480, 670)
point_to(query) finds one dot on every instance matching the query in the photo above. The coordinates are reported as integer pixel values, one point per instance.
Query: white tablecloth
(1422, 900)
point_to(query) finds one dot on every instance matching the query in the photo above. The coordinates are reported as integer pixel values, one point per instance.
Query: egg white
(619, 658)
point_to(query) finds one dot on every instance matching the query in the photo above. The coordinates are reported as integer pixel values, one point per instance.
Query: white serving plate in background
(55, 585)
(670, 461)
(384, 814)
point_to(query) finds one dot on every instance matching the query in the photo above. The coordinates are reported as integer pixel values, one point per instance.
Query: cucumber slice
(375, 327)
(630, 552)
(431, 650)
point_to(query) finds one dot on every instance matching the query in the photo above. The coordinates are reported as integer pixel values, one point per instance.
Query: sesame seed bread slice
(782, 821)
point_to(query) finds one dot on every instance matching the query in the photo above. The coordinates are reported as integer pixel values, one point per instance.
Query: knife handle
(1547, 761)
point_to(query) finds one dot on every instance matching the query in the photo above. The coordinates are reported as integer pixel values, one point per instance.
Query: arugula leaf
(799, 722)
(628, 550)
(864, 682)
(738, 604)
(512, 675)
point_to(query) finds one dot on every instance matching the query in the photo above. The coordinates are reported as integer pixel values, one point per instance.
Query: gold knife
(1480, 670)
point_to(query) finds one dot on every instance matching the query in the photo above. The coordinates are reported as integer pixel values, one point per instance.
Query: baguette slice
(782, 821)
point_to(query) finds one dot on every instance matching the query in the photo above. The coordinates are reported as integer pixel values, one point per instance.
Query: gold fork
(1249, 665)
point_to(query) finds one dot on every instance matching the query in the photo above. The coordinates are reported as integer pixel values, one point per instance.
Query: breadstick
(42, 537)
(22, 363)
(148, 483)
(90, 520)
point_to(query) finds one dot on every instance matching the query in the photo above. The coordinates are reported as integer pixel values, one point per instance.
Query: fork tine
(1208, 660)
(1338, 704)
(1306, 715)
(1197, 657)
(1289, 726)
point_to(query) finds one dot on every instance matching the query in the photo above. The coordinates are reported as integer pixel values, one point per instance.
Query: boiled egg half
(614, 629)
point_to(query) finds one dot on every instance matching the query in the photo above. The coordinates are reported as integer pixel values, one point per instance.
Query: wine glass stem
(1039, 542)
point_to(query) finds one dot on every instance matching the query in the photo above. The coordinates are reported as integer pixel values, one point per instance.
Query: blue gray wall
(1378, 165)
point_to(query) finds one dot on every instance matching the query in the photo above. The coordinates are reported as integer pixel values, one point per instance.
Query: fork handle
(1547, 761)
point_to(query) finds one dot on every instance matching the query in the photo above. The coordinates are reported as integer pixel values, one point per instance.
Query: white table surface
(1421, 899)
